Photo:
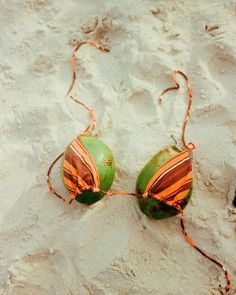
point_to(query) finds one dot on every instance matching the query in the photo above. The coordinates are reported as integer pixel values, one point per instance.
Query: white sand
(111, 248)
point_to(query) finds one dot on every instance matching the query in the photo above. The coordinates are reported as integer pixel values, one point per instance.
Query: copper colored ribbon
(92, 115)
(195, 246)
(92, 123)
(191, 146)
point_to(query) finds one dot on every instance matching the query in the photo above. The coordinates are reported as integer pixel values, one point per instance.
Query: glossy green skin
(100, 154)
(150, 206)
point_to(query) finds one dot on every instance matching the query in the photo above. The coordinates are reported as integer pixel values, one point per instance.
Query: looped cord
(51, 187)
(195, 246)
(114, 193)
(92, 125)
(190, 145)
(75, 193)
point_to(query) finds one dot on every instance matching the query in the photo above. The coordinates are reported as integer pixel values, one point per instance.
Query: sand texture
(111, 248)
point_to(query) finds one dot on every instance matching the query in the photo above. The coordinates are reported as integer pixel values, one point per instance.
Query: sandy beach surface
(112, 248)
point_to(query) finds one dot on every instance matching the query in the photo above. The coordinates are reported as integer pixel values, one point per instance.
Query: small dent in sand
(35, 4)
(139, 107)
(95, 28)
(90, 25)
(46, 64)
(155, 11)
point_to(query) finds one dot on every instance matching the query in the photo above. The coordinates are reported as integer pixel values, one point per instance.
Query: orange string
(195, 246)
(92, 124)
(50, 185)
(121, 193)
(189, 146)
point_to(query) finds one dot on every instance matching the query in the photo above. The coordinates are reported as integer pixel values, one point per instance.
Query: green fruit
(150, 206)
(104, 161)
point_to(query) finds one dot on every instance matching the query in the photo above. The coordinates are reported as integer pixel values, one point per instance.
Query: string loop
(190, 145)
(92, 125)
(50, 185)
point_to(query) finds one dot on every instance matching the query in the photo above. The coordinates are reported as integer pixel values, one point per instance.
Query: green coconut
(150, 206)
(104, 160)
